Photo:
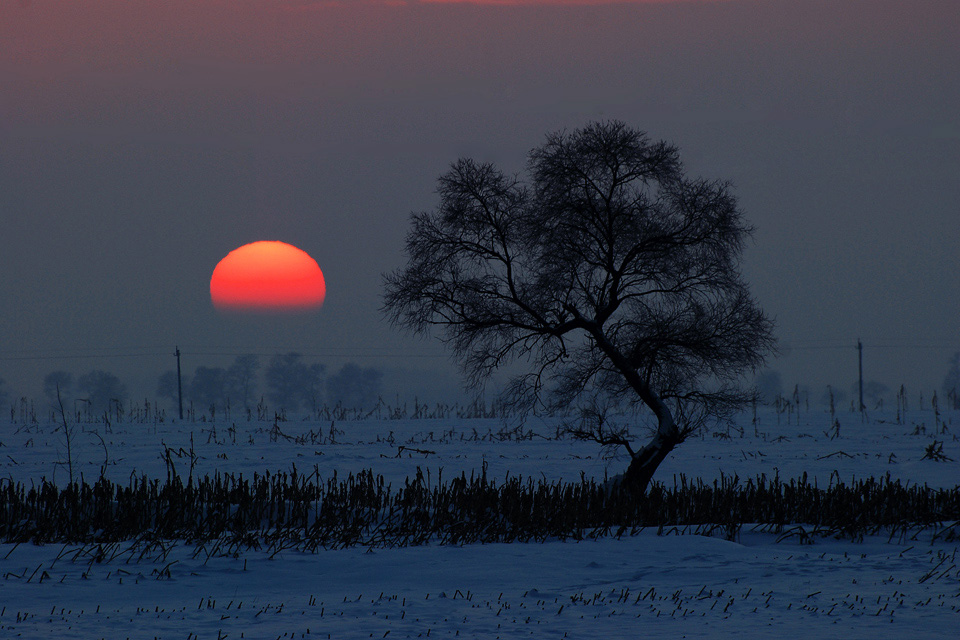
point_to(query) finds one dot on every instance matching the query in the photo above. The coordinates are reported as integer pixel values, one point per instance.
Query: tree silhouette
(610, 278)
(167, 385)
(208, 387)
(102, 389)
(875, 392)
(58, 381)
(769, 386)
(355, 387)
(951, 382)
(4, 394)
(292, 383)
(241, 380)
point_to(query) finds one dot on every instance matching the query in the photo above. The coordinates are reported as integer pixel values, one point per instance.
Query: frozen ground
(395, 448)
(645, 586)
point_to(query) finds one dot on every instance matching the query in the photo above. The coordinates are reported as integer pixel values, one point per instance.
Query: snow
(667, 586)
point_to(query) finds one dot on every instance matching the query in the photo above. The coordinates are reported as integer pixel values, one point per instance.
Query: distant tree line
(92, 393)
(294, 385)
(769, 388)
(288, 383)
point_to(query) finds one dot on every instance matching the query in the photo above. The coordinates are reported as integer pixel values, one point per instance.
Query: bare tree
(167, 386)
(4, 394)
(951, 382)
(769, 386)
(292, 383)
(207, 388)
(355, 387)
(610, 278)
(57, 383)
(241, 379)
(104, 390)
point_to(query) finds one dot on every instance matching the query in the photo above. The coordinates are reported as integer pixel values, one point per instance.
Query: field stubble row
(293, 510)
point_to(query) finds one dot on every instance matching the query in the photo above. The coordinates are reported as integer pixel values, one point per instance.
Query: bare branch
(610, 273)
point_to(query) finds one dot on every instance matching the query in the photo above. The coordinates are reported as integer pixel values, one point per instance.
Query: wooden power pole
(180, 386)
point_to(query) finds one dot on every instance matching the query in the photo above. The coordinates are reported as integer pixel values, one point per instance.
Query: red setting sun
(267, 276)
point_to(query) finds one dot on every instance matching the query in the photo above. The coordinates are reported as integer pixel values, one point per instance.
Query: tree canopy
(608, 274)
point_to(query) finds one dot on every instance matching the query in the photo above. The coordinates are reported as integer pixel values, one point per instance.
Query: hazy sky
(142, 141)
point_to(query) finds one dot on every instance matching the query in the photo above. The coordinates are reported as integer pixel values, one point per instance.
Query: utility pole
(180, 386)
(860, 358)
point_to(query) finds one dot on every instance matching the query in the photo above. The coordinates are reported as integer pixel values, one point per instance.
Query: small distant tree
(293, 384)
(55, 381)
(951, 383)
(208, 387)
(4, 394)
(102, 389)
(313, 396)
(769, 385)
(355, 387)
(167, 386)
(874, 393)
(241, 380)
(832, 396)
(608, 277)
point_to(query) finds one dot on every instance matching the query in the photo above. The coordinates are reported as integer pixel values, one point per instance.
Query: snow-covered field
(650, 586)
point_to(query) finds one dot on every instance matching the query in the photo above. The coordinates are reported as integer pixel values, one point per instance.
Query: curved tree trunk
(644, 463)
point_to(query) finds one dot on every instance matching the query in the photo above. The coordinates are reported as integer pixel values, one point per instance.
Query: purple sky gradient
(141, 142)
